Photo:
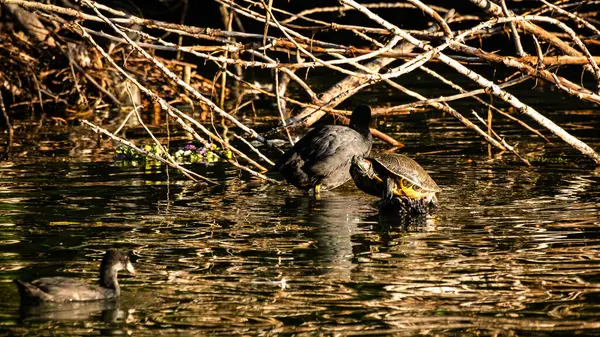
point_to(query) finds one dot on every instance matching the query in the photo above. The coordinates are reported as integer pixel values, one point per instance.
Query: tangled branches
(283, 41)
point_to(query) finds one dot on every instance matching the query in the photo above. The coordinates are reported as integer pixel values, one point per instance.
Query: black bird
(63, 289)
(321, 159)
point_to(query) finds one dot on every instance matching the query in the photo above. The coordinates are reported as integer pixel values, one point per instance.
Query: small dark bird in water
(63, 289)
(321, 159)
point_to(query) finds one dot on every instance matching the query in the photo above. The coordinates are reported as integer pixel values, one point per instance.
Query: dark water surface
(511, 251)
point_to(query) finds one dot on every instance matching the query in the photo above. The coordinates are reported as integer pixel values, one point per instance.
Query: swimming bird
(321, 159)
(64, 289)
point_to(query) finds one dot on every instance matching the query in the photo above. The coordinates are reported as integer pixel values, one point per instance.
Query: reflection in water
(50, 315)
(335, 218)
(106, 311)
(406, 222)
(510, 250)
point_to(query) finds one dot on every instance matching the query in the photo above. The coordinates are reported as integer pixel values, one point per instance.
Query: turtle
(321, 159)
(400, 181)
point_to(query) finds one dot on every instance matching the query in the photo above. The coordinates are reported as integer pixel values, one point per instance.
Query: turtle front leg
(397, 206)
(388, 200)
(403, 205)
(388, 190)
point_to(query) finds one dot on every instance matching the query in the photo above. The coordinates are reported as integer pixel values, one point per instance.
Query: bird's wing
(67, 289)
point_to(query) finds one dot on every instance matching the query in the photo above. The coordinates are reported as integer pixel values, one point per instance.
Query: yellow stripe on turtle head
(409, 190)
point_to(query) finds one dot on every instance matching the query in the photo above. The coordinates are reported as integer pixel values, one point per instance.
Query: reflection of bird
(321, 159)
(329, 227)
(106, 310)
(63, 289)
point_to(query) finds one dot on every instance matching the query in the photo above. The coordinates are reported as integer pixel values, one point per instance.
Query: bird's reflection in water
(345, 225)
(381, 232)
(331, 222)
(106, 311)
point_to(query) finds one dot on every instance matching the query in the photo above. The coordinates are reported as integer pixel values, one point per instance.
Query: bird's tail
(30, 292)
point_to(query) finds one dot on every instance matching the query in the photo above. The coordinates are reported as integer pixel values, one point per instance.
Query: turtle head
(362, 166)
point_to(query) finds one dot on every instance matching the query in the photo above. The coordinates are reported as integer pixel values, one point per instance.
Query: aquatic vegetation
(185, 155)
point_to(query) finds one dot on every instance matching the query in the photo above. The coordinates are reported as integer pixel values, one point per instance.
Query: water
(511, 250)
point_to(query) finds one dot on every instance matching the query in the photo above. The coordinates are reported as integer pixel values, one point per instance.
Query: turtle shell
(404, 167)
(410, 179)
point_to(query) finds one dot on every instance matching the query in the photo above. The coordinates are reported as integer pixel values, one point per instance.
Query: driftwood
(560, 35)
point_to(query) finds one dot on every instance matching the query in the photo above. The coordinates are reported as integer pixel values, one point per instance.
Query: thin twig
(9, 127)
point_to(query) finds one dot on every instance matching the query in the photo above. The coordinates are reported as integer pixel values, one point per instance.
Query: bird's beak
(130, 268)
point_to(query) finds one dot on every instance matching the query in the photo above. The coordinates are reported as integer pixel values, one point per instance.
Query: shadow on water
(510, 250)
